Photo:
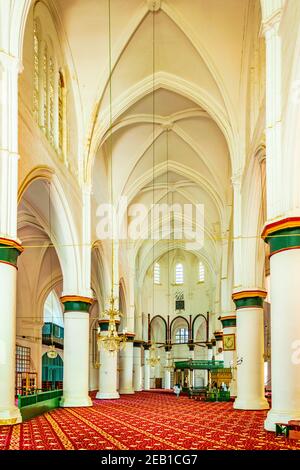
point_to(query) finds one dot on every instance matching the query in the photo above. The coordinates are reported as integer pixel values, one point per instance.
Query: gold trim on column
(76, 298)
(10, 421)
(11, 243)
(249, 293)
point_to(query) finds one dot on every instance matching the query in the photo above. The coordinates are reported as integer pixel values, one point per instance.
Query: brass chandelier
(111, 340)
(154, 359)
(170, 364)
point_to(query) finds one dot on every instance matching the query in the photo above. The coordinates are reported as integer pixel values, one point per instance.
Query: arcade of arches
(155, 103)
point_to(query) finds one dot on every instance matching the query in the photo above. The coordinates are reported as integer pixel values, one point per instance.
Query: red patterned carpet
(146, 420)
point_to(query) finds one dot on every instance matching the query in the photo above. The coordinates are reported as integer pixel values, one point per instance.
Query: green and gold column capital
(229, 321)
(218, 335)
(130, 337)
(249, 298)
(76, 303)
(282, 235)
(104, 324)
(10, 251)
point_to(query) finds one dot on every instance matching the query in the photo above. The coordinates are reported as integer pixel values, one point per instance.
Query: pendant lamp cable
(168, 221)
(51, 266)
(153, 153)
(110, 150)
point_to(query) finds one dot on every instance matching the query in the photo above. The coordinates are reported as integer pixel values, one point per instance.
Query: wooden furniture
(158, 382)
(294, 429)
(223, 375)
(282, 429)
(290, 429)
(198, 393)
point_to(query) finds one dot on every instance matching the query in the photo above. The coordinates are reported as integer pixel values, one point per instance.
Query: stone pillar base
(107, 395)
(70, 402)
(251, 404)
(126, 391)
(10, 416)
(279, 417)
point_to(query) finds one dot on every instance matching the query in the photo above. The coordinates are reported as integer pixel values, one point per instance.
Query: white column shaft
(209, 354)
(250, 356)
(285, 338)
(76, 360)
(230, 361)
(126, 369)
(8, 145)
(137, 369)
(219, 355)
(146, 370)
(9, 69)
(9, 413)
(108, 375)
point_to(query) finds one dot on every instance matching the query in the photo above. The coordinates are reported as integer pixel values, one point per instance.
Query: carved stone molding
(154, 5)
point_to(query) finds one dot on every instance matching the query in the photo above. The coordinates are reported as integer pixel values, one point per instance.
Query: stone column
(209, 358)
(126, 367)
(283, 237)
(137, 366)
(108, 375)
(167, 384)
(229, 349)
(9, 252)
(283, 196)
(108, 368)
(250, 350)
(214, 348)
(209, 351)
(10, 246)
(76, 351)
(219, 345)
(146, 367)
(192, 357)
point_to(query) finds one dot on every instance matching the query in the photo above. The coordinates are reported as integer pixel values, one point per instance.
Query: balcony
(53, 334)
(205, 365)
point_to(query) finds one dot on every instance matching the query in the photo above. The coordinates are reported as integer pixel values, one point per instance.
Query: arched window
(49, 95)
(156, 273)
(201, 272)
(36, 71)
(181, 336)
(179, 273)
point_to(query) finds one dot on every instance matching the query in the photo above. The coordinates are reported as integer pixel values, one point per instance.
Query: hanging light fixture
(111, 341)
(51, 353)
(154, 359)
(170, 364)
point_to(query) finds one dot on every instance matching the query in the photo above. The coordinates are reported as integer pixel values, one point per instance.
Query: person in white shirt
(177, 389)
